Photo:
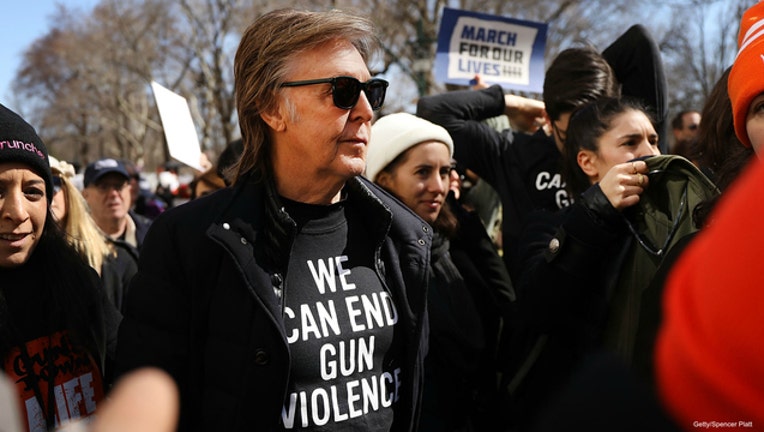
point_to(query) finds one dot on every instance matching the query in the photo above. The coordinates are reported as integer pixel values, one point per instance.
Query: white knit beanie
(393, 134)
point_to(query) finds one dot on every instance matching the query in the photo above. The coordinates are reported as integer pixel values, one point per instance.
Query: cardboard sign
(504, 51)
(179, 129)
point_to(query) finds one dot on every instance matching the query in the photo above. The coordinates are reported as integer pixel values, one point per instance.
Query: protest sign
(504, 51)
(179, 129)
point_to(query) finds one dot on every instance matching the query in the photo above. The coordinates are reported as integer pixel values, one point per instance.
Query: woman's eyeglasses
(346, 90)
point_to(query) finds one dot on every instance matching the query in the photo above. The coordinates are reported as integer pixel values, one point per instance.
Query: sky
(23, 22)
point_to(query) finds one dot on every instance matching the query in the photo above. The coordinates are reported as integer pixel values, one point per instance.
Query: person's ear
(275, 118)
(586, 161)
(547, 126)
(384, 179)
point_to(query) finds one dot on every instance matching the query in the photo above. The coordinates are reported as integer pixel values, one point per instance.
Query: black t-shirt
(339, 320)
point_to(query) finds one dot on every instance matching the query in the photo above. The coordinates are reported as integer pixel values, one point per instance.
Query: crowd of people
(337, 269)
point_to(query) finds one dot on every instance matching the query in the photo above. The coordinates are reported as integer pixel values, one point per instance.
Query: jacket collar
(254, 212)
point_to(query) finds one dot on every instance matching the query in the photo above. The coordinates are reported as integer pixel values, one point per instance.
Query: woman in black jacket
(53, 328)
(572, 257)
(411, 158)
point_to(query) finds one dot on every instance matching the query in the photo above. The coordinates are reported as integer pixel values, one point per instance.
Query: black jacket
(56, 326)
(117, 271)
(589, 274)
(569, 257)
(202, 305)
(142, 225)
(456, 345)
(490, 286)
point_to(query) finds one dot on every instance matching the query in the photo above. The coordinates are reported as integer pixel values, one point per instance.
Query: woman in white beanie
(411, 158)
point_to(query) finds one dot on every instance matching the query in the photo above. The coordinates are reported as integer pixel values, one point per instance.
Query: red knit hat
(709, 357)
(746, 77)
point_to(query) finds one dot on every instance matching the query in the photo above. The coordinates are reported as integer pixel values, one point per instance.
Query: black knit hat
(20, 143)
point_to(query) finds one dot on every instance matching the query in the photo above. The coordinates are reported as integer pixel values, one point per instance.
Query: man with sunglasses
(294, 299)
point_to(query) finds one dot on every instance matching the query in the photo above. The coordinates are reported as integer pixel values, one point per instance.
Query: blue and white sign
(504, 51)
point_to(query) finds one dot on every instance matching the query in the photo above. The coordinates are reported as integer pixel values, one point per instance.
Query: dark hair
(576, 77)
(678, 121)
(228, 159)
(716, 134)
(722, 155)
(446, 223)
(68, 284)
(586, 127)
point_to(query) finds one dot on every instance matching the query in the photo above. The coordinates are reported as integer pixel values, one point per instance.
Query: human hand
(624, 183)
(145, 400)
(525, 114)
(478, 83)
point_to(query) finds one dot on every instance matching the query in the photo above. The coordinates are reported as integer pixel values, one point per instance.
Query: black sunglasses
(346, 90)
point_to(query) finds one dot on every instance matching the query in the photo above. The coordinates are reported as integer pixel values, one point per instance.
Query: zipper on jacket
(277, 281)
